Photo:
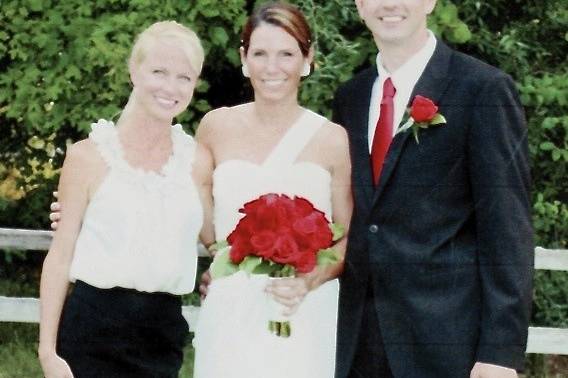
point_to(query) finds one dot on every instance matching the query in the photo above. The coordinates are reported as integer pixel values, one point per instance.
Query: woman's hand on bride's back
(55, 213)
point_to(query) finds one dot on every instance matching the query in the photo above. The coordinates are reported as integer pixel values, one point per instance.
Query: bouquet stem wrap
(278, 324)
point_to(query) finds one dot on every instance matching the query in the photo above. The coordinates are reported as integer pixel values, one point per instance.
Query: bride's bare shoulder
(334, 139)
(221, 120)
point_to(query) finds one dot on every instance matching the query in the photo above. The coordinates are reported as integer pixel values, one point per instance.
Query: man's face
(396, 22)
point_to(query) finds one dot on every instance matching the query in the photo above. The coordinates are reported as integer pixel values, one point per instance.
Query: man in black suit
(438, 272)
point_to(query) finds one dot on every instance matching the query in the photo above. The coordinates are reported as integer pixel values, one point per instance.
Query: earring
(245, 70)
(306, 69)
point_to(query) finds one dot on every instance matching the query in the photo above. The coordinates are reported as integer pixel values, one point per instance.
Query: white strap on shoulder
(295, 140)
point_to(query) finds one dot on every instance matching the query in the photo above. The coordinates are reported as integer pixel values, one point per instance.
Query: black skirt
(121, 333)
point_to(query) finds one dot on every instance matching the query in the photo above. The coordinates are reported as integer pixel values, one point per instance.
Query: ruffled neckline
(105, 134)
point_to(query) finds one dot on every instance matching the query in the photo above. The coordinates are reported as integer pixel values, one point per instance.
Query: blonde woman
(123, 316)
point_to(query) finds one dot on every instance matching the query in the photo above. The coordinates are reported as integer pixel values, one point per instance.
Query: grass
(18, 346)
(18, 352)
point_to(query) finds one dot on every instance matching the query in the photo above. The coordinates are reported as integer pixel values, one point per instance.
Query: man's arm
(500, 179)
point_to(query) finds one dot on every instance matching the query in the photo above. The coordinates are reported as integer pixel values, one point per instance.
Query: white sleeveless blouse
(140, 228)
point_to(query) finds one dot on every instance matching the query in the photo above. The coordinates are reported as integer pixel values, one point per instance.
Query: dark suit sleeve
(336, 115)
(499, 175)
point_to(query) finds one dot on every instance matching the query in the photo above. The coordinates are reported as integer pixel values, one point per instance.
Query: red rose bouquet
(278, 236)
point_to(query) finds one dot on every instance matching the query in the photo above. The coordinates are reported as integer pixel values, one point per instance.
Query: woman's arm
(341, 201)
(291, 292)
(202, 176)
(74, 184)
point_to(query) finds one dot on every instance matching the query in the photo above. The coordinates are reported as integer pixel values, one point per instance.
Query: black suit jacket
(446, 238)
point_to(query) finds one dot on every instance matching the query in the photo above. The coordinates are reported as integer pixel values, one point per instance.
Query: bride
(273, 145)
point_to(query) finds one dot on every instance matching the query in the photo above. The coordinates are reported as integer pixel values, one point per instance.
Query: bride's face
(275, 63)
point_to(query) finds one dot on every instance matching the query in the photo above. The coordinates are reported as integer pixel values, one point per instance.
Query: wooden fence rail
(541, 340)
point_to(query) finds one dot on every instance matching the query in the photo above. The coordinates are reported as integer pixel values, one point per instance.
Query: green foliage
(338, 231)
(65, 67)
(222, 265)
(328, 256)
(18, 350)
(446, 23)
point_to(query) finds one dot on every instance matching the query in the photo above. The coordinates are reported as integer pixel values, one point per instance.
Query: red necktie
(383, 131)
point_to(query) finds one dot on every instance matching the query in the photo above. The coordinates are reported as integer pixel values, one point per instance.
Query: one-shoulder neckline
(305, 119)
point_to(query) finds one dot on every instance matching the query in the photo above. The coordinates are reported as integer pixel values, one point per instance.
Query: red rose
(306, 263)
(303, 207)
(240, 248)
(423, 109)
(285, 249)
(315, 230)
(281, 229)
(263, 243)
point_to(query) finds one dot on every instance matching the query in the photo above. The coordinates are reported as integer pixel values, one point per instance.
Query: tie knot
(388, 88)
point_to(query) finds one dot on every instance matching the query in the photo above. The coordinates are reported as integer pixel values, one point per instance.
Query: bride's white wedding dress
(232, 337)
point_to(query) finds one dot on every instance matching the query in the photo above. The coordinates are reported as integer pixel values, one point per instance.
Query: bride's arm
(291, 292)
(341, 201)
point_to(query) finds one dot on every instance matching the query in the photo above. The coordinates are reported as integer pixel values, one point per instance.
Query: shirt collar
(407, 75)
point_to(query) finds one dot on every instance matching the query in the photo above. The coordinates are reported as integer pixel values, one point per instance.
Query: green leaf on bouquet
(338, 231)
(438, 119)
(328, 256)
(266, 267)
(222, 265)
(217, 246)
(250, 263)
(287, 271)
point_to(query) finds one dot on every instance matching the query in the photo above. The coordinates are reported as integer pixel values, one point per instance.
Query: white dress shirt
(404, 79)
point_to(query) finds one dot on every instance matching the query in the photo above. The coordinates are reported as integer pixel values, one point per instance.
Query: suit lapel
(432, 84)
(361, 162)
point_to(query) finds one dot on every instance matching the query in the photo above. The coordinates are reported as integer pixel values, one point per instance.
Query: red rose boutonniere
(422, 114)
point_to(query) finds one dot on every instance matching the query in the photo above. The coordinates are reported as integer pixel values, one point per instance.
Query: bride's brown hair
(283, 15)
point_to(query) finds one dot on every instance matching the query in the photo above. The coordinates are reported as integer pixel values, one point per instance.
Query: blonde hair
(185, 39)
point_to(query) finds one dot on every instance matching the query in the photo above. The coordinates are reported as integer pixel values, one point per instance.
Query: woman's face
(163, 81)
(275, 63)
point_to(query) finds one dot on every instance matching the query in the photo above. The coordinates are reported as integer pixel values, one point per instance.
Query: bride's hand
(289, 291)
(55, 214)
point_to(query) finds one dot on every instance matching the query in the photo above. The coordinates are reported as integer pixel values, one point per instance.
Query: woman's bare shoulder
(335, 136)
(217, 121)
(83, 158)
